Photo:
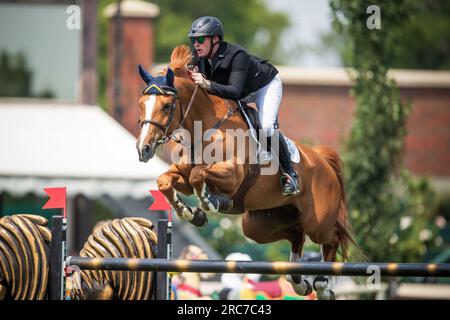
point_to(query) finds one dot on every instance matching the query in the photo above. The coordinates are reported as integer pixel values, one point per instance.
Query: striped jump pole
(220, 266)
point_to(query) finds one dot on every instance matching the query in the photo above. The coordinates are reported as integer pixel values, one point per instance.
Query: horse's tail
(345, 232)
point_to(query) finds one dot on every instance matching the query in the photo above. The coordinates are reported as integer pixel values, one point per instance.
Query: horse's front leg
(172, 181)
(215, 184)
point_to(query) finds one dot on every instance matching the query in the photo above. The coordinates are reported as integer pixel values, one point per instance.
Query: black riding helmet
(206, 26)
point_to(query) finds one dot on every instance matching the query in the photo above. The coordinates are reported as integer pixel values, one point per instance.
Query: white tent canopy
(78, 146)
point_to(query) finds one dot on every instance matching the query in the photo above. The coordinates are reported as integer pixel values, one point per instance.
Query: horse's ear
(147, 77)
(169, 77)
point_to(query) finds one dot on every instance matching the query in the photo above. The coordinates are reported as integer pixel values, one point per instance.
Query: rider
(232, 73)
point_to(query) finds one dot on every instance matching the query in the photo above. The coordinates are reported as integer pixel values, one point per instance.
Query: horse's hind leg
(270, 225)
(321, 283)
(301, 286)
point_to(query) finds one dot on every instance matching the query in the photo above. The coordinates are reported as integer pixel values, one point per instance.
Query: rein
(189, 107)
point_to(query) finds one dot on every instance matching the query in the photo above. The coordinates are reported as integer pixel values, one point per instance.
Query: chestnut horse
(171, 101)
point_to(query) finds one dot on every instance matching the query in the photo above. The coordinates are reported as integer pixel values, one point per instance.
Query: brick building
(137, 28)
(318, 109)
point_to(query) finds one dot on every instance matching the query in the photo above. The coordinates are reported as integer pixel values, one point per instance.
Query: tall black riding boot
(291, 185)
(265, 155)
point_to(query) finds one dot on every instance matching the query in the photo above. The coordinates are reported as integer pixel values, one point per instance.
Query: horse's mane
(124, 238)
(181, 56)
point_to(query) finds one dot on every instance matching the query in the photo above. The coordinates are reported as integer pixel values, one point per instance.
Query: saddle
(250, 113)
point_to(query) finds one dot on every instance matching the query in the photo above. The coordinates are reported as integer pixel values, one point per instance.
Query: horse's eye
(166, 107)
(139, 121)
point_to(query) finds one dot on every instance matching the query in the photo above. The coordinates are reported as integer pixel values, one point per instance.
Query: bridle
(169, 91)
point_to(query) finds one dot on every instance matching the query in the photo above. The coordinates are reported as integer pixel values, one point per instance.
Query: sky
(309, 19)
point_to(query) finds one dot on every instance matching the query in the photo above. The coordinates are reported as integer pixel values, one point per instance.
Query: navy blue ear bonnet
(160, 84)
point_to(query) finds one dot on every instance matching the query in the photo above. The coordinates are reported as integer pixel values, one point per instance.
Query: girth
(239, 198)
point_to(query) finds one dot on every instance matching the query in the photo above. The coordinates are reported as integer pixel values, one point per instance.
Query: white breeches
(268, 100)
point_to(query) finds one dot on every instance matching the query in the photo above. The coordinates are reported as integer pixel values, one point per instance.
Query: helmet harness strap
(213, 44)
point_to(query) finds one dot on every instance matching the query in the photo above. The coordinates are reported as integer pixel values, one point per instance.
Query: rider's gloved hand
(200, 80)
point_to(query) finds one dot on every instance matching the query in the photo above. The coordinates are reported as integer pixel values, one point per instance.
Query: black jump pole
(306, 268)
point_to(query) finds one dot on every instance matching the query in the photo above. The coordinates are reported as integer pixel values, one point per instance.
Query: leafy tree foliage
(16, 77)
(389, 208)
(422, 41)
(250, 24)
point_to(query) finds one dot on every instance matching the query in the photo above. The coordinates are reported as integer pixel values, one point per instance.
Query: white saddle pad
(293, 150)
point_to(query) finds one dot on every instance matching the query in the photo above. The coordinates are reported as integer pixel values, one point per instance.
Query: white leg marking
(323, 287)
(302, 287)
(185, 213)
(294, 257)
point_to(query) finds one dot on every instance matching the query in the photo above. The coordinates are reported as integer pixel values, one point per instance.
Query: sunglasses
(200, 39)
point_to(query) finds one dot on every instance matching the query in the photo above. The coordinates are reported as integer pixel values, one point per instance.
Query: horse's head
(158, 118)
(157, 110)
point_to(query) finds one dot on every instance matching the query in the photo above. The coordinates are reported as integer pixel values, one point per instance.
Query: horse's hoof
(229, 294)
(200, 217)
(326, 294)
(332, 295)
(320, 283)
(308, 288)
(301, 286)
(296, 278)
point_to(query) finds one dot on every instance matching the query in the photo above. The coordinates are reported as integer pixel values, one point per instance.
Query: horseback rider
(232, 73)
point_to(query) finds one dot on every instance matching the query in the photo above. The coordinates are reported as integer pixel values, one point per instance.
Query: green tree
(251, 25)
(422, 41)
(224, 233)
(388, 208)
(16, 77)
(103, 39)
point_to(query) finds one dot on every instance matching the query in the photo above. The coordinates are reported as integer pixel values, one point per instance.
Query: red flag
(160, 201)
(57, 199)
